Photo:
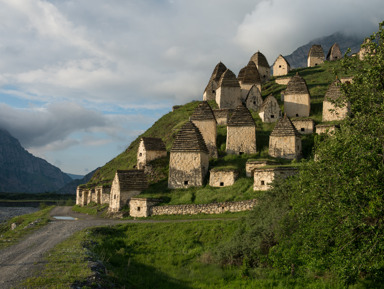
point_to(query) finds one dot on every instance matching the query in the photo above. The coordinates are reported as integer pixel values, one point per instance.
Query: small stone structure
(315, 56)
(262, 66)
(241, 132)
(189, 158)
(222, 177)
(213, 208)
(365, 49)
(91, 196)
(304, 126)
(263, 177)
(140, 207)
(248, 77)
(228, 93)
(222, 115)
(285, 140)
(204, 119)
(150, 148)
(103, 194)
(125, 185)
(283, 80)
(253, 100)
(297, 100)
(346, 79)
(334, 53)
(250, 165)
(213, 83)
(335, 105)
(79, 196)
(281, 66)
(270, 110)
(326, 128)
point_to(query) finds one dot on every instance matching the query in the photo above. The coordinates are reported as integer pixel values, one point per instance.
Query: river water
(10, 212)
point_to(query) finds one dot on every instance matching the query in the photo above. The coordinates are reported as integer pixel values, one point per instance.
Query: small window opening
(138, 209)
(114, 196)
(222, 208)
(140, 154)
(254, 102)
(279, 66)
(221, 184)
(241, 153)
(262, 183)
(185, 183)
(315, 64)
(272, 116)
(297, 114)
(302, 129)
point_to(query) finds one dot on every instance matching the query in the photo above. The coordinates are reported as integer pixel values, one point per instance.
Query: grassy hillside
(318, 79)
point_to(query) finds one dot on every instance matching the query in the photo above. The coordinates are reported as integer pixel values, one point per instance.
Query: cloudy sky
(80, 79)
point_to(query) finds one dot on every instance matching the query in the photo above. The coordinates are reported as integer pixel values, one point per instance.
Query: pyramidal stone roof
(335, 49)
(297, 85)
(203, 112)
(284, 127)
(316, 51)
(241, 117)
(228, 79)
(334, 90)
(132, 180)
(153, 144)
(189, 139)
(283, 58)
(220, 68)
(259, 59)
(249, 74)
(270, 98)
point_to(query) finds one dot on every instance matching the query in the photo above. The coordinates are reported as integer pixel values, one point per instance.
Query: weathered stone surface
(297, 100)
(315, 56)
(263, 177)
(304, 126)
(262, 65)
(326, 128)
(334, 53)
(222, 178)
(254, 164)
(228, 93)
(214, 208)
(285, 140)
(150, 149)
(222, 115)
(270, 110)
(125, 185)
(249, 77)
(281, 66)
(253, 100)
(331, 111)
(140, 207)
(213, 83)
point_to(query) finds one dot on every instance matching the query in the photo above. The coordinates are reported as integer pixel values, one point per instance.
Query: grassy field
(163, 255)
(25, 224)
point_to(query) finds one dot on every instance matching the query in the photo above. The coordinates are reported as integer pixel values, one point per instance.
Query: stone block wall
(241, 139)
(332, 113)
(140, 207)
(264, 177)
(287, 147)
(222, 178)
(222, 116)
(304, 126)
(297, 105)
(251, 165)
(214, 208)
(228, 97)
(208, 129)
(325, 128)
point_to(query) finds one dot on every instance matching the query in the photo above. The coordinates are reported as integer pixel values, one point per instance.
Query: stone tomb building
(103, 194)
(222, 115)
(251, 165)
(334, 53)
(222, 177)
(270, 110)
(281, 66)
(304, 125)
(141, 207)
(189, 159)
(125, 185)
(315, 56)
(213, 83)
(241, 132)
(285, 140)
(335, 106)
(263, 177)
(297, 100)
(248, 77)
(253, 100)
(204, 119)
(150, 148)
(326, 128)
(228, 94)
(262, 66)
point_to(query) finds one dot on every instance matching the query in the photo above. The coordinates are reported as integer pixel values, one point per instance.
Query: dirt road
(20, 261)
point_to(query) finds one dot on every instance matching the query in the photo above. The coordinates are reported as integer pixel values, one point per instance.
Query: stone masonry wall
(214, 208)
(222, 178)
(304, 126)
(241, 139)
(297, 105)
(228, 97)
(288, 147)
(331, 112)
(208, 129)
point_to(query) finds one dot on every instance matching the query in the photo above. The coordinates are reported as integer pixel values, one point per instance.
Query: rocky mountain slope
(70, 188)
(20, 171)
(298, 58)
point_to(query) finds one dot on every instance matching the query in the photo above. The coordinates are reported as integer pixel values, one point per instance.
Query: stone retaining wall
(214, 208)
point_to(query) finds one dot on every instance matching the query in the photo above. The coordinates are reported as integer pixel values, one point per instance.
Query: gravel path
(23, 259)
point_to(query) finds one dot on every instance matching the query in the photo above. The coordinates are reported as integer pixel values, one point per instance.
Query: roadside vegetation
(24, 225)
